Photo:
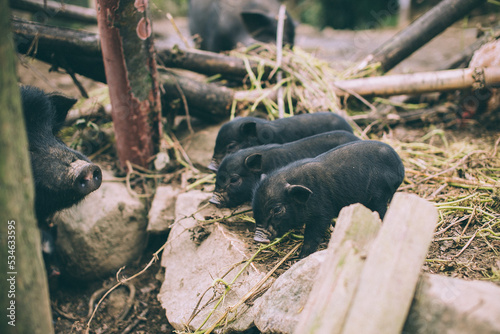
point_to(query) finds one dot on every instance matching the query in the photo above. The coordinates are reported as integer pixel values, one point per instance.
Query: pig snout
(217, 199)
(214, 165)
(88, 177)
(261, 235)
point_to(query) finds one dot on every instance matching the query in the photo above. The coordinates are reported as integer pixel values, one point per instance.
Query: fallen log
(204, 100)
(81, 52)
(73, 50)
(421, 31)
(57, 9)
(205, 62)
(418, 83)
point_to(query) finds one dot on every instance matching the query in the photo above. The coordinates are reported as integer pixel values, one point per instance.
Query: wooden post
(389, 278)
(128, 52)
(329, 301)
(354, 295)
(24, 296)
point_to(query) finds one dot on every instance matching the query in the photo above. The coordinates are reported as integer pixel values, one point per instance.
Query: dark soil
(70, 301)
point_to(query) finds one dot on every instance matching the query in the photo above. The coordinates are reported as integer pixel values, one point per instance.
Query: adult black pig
(244, 132)
(239, 172)
(222, 24)
(313, 191)
(62, 176)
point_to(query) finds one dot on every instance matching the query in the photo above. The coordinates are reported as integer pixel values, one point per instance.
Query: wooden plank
(392, 268)
(334, 290)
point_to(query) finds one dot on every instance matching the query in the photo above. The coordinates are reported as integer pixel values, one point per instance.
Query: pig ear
(62, 104)
(254, 21)
(298, 193)
(254, 162)
(248, 129)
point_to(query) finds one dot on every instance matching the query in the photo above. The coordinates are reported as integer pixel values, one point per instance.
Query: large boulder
(198, 259)
(104, 232)
(451, 305)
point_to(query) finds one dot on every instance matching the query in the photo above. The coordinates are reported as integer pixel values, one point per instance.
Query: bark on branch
(81, 51)
(77, 50)
(206, 101)
(418, 83)
(205, 62)
(51, 9)
(420, 32)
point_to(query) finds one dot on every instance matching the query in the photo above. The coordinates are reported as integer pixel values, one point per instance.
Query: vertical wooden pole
(128, 52)
(24, 296)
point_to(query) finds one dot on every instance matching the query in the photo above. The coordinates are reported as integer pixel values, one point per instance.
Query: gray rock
(450, 305)
(278, 310)
(200, 145)
(104, 232)
(195, 257)
(162, 213)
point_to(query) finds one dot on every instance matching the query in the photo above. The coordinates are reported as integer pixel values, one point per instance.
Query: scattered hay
(462, 178)
(308, 83)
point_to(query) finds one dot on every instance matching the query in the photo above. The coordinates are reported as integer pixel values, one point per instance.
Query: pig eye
(231, 147)
(277, 211)
(234, 179)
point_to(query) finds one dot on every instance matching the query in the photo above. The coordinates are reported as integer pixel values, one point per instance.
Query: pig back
(306, 125)
(367, 172)
(276, 156)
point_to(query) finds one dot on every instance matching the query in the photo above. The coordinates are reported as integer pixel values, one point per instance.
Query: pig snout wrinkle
(261, 236)
(214, 200)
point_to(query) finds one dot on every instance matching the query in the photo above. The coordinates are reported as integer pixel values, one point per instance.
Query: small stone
(162, 213)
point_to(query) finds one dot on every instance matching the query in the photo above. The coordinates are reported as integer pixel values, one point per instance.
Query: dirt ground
(451, 253)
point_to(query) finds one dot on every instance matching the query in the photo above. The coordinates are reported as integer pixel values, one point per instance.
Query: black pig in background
(239, 172)
(223, 24)
(62, 176)
(244, 132)
(313, 191)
